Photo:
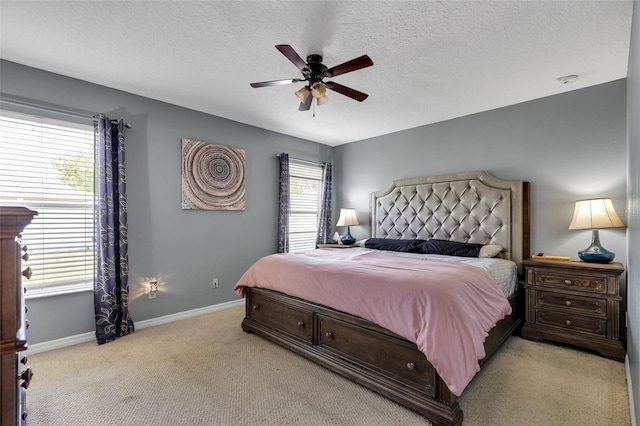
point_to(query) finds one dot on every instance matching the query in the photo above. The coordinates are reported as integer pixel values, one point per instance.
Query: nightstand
(340, 246)
(575, 303)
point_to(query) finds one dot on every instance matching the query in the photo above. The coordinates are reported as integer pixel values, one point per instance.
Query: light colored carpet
(207, 371)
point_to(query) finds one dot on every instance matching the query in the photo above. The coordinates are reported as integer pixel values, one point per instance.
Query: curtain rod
(56, 110)
(305, 161)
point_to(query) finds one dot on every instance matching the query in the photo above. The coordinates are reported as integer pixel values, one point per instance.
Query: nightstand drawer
(570, 303)
(559, 280)
(597, 326)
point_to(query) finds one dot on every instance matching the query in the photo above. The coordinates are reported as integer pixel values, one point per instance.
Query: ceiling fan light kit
(314, 71)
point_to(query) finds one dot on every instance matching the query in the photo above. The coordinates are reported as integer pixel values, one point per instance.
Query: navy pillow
(391, 244)
(450, 248)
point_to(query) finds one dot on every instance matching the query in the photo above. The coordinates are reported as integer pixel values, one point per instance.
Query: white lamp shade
(303, 93)
(597, 213)
(347, 217)
(318, 90)
(322, 100)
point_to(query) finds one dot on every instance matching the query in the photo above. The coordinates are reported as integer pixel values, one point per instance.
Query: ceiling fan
(314, 72)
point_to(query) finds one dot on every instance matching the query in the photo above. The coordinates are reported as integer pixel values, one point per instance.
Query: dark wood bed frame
(375, 357)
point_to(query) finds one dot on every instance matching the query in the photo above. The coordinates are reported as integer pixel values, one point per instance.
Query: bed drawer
(591, 325)
(295, 321)
(392, 357)
(571, 303)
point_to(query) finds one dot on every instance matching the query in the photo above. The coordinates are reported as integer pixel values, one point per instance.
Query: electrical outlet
(214, 283)
(153, 289)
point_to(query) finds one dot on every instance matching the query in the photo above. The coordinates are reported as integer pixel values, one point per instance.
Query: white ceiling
(433, 60)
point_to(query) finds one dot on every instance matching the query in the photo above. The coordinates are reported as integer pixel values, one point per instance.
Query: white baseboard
(187, 314)
(88, 337)
(60, 343)
(632, 407)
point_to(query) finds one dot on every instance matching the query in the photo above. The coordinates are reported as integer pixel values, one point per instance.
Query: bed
(355, 339)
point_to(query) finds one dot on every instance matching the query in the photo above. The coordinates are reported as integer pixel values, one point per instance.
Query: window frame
(311, 174)
(78, 137)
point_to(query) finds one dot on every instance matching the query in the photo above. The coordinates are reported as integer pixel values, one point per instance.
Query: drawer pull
(301, 324)
(256, 307)
(27, 273)
(567, 302)
(328, 334)
(411, 366)
(26, 375)
(567, 322)
(568, 282)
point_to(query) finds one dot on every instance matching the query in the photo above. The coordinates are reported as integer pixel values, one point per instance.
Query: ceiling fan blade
(306, 105)
(292, 55)
(352, 65)
(347, 91)
(276, 82)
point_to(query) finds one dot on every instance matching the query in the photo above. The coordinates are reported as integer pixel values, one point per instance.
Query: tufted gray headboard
(472, 207)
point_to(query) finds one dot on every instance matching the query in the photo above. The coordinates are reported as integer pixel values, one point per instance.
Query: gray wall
(183, 249)
(633, 231)
(569, 146)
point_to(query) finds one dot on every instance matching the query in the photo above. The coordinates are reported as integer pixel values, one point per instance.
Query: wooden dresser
(576, 303)
(14, 374)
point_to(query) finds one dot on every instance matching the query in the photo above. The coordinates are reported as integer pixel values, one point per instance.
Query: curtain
(111, 284)
(324, 222)
(285, 205)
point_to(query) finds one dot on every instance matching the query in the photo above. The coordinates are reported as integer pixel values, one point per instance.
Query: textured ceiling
(433, 60)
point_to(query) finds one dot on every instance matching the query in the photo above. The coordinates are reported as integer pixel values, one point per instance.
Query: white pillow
(489, 250)
(360, 243)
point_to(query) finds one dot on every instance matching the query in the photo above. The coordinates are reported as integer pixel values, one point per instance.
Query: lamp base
(595, 253)
(348, 238)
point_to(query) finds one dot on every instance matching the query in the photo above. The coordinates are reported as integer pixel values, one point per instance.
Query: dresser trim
(13, 378)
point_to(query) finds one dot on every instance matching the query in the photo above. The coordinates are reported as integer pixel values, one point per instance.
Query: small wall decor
(212, 176)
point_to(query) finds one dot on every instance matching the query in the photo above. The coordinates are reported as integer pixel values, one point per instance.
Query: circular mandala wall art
(212, 176)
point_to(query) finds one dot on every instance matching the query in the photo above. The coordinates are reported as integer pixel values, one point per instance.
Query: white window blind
(47, 166)
(305, 192)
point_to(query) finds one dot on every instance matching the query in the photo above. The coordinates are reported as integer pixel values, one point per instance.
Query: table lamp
(347, 218)
(595, 214)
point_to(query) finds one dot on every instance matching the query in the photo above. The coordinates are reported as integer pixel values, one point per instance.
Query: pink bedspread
(446, 308)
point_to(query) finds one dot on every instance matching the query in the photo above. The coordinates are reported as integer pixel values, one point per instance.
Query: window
(47, 166)
(305, 193)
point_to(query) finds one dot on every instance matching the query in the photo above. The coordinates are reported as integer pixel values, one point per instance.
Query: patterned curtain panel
(324, 222)
(285, 205)
(111, 285)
